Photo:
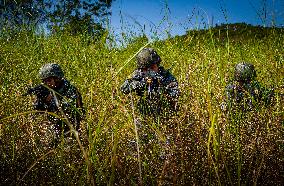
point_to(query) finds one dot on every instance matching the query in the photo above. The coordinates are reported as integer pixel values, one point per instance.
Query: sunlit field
(199, 146)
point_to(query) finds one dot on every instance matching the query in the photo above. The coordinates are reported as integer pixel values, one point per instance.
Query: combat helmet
(147, 57)
(50, 70)
(244, 72)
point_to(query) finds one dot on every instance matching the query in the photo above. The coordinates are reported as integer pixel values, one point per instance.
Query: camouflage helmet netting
(147, 57)
(50, 70)
(244, 72)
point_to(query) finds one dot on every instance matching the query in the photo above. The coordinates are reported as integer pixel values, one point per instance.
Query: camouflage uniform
(158, 91)
(65, 98)
(244, 93)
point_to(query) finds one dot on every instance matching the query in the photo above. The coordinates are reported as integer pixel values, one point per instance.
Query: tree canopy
(74, 16)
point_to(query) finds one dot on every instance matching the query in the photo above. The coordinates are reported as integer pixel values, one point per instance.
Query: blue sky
(177, 16)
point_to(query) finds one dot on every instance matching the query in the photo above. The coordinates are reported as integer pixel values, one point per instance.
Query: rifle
(153, 81)
(40, 91)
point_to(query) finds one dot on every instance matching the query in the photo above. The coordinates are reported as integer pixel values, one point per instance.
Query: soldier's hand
(49, 98)
(149, 80)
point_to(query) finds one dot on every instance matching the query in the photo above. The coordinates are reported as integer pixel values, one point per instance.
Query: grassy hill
(206, 148)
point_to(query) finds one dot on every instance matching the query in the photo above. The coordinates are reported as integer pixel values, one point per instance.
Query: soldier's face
(153, 67)
(50, 82)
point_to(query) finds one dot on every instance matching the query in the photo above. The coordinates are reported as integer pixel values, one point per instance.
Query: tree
(74, 16)
(16, 13)
(78, 16)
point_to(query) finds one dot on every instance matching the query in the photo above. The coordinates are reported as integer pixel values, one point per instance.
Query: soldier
(244, 92)
(158, 91)
(157, 87)
(57, 95)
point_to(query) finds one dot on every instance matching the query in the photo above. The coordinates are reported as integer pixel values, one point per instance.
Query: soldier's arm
(229, 97)
(43, 102)
(70, 97)
(39, 104)
(77, 108)
(172, 90)
(136, 83)
(71, 104)
(42, 97)
(171, 87)
(229, 92)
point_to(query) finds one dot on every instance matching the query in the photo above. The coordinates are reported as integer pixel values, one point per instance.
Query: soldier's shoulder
(167, 73)
(69, 87)
(67, 83)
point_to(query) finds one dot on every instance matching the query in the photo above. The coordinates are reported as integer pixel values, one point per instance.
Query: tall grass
(206, 146)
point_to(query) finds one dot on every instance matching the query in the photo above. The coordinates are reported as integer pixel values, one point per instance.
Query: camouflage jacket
(247, 96)
(158, 91)
(67, 99)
